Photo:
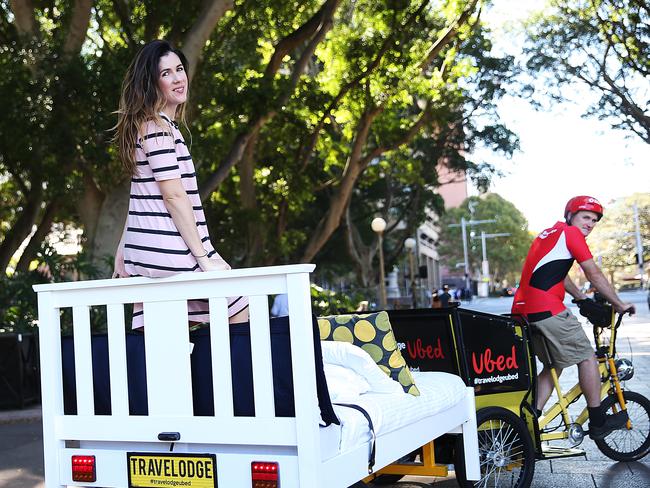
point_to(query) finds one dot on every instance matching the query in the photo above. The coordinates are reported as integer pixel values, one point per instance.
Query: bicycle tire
(623, 444)
(511, 466)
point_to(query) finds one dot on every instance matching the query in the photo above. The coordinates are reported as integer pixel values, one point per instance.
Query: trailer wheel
(506, 454)
(633, 444)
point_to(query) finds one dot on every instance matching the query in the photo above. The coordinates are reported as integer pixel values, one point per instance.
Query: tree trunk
(361, 254)
(90, 207)
(339, 201)
(77, 28)
(247, 195)
(24, 19)
(23, 225)
(38, 237)
(109, 225)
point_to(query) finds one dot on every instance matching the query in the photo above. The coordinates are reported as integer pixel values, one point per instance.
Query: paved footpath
(21, 451)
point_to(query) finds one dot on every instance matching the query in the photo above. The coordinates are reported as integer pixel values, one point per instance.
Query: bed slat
(220, 348)
(117, 362)
(83, 359)
(167, 351)
(261, 355)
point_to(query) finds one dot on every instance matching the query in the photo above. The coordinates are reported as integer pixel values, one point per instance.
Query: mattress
(389, 412)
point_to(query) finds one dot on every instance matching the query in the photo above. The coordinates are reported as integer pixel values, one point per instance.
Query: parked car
(509, 291)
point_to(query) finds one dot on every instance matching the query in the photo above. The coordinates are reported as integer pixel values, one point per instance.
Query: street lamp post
(485, 266)
(379, 225)
(639, 244)
(410, 245)
(463, 227)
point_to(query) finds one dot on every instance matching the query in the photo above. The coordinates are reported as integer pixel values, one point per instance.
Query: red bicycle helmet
(583, 202)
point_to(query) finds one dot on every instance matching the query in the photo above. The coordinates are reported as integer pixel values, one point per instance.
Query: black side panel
(426, 339)
(495, 357)
(550, 274)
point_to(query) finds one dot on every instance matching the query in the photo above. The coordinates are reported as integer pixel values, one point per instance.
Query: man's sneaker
(612, 423)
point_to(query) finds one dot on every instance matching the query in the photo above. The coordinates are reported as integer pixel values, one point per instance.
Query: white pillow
(353, 357)
(343, 382)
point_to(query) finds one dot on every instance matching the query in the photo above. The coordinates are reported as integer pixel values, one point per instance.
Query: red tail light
(265, 475)
(83, 468)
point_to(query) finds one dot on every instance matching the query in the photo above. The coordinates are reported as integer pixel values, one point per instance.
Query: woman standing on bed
(165, 231)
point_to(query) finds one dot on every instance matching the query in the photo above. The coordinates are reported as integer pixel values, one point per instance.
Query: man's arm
(598, 281)
(572, 289)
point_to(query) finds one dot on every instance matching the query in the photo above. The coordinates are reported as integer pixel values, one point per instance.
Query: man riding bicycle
(540, 298)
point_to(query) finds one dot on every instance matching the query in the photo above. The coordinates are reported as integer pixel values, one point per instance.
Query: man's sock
(596, 416)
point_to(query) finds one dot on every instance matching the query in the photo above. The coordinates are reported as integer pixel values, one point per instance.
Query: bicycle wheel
(506, 453)
(623, 444)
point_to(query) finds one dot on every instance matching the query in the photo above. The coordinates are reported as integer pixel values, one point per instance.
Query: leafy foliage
(613, 240)
(18, 305)
(505, 255)
(604, 44)
(375, 63)
(328, 302)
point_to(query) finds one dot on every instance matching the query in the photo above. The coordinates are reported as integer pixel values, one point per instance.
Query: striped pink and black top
(153, 247)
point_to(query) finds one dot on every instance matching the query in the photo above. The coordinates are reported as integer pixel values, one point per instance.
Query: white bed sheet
(389, 412)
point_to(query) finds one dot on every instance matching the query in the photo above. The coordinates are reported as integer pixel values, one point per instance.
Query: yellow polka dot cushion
(373, 333)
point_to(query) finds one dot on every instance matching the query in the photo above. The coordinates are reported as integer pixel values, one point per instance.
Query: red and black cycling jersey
(541, 288)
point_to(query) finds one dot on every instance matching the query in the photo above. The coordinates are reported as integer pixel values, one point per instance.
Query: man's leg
(545, 386)
(589, 378)
(600, 424)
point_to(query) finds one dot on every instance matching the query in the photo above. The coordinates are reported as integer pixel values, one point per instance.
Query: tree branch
(448, 35)
(355, 166)
(341, 198)
(24, 19)
(425, 116)
(199, 33)
(123, 12)
(78, 28)
(305, 57)
(297, 37)
(305, 151)
(317, 22)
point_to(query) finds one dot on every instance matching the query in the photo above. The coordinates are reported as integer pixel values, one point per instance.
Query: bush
(328, 302)
(18, 307)
(18, 303)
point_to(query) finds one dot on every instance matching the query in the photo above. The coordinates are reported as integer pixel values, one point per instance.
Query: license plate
(147, 470)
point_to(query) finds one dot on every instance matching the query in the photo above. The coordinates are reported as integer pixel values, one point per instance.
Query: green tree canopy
(506, 254)
(301, 113)
(613, 240)
(604, 44)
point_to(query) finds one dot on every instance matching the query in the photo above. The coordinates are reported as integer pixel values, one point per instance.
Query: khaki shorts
(566, 341)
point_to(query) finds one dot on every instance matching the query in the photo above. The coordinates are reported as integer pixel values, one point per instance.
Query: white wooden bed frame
(236, 441)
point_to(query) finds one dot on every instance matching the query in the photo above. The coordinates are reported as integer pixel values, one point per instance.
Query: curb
(27, 415)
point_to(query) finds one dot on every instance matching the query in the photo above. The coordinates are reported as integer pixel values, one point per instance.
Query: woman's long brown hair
(141, 100)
